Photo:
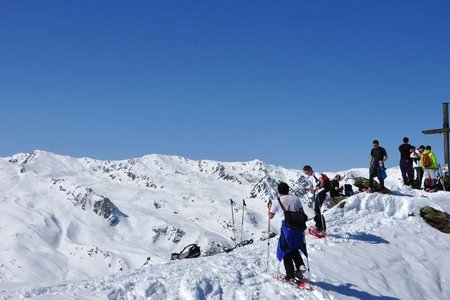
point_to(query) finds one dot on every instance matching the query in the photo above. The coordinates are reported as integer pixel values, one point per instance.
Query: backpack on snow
(426, 160)
(190, 251)
(348, 190)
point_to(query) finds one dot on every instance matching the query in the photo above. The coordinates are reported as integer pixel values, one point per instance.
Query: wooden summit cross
(445, 130)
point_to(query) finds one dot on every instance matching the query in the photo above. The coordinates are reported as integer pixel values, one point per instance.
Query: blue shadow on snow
(349, 290)
(367, 237)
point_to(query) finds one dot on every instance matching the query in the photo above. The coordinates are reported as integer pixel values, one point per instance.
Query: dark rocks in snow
(338, 200)
(174, 234)
(435, 218)
(109, 211)
(363, 183)
(221, 172)
(101, 205)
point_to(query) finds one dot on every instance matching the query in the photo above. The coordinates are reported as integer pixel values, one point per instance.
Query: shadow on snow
(349, 290)
(363, 237)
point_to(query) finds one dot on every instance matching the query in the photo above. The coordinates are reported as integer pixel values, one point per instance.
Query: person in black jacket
(378, 156)
(406, 163)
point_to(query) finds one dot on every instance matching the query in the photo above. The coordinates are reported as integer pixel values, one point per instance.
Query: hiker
(321, 185)
(429, 164)
(418, 172)
(335, 188)
(406, 162)
(291, 240)
(378, 156)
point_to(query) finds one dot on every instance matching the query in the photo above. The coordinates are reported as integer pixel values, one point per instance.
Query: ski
(313, 231)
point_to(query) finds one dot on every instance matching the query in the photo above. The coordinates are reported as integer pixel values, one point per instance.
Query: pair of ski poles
(232, 216)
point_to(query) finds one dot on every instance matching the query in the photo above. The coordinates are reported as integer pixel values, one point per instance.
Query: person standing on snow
(378, 156)
(406, 165)
(291, 240)
(321, 186)
(415, 156)
(429, 164)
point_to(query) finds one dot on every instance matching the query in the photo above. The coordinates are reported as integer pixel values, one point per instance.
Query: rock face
(435, 218)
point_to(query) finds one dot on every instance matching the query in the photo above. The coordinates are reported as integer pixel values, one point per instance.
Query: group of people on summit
(418, 168)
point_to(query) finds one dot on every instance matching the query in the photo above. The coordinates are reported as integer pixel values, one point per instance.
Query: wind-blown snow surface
(378, 248)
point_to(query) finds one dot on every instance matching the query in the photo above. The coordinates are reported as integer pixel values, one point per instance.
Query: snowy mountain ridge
(82, 229)
(151, 205)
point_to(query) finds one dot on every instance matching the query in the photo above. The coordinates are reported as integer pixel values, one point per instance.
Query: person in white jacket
(418, 171)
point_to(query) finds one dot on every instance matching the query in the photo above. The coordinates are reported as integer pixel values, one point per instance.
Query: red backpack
(426, 160)
(326, 180)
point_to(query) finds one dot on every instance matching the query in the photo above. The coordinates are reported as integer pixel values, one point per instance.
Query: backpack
(348, 190)
(326, 180)
(426, 160)
(193, 250)
(334, 188)
(294, 219)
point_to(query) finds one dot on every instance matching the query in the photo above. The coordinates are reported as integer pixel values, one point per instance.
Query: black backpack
(190, 251)
(334, 188)
(294, 219)
(348, 190)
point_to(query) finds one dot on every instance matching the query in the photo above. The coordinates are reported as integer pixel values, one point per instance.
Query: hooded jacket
(434, 162)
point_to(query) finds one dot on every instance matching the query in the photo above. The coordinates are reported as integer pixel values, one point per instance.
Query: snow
(378, 246)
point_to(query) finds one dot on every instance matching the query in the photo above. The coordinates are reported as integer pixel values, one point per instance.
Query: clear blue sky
(287, 82)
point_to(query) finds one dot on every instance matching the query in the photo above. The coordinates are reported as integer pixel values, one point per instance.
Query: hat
(283, 188)
(428, 147)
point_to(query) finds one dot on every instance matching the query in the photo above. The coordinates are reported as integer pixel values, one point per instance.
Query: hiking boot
(291, 280)
(302, 269)
(299, 272)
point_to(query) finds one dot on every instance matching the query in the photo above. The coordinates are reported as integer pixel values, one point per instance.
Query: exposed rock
(337, 200)
(363, 183)
(435, 218)
(109, 211)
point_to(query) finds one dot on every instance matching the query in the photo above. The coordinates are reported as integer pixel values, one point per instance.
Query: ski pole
(242, 227)
(232, 216)
(268, 245)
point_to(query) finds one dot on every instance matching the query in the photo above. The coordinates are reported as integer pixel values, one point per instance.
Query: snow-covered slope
(378, 248)
(61, 215)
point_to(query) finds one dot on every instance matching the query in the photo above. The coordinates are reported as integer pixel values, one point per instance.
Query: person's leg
(410, 173)
(289, 264)
(381, 180)
(371, 176)
(427, 177)
(298, 260)
(417, 178)
(403, 169)
(318, 218)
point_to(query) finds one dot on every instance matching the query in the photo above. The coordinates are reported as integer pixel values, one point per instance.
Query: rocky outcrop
(363, 183)
(435, 218)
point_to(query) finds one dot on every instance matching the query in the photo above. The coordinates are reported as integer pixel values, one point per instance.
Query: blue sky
(287, 82)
